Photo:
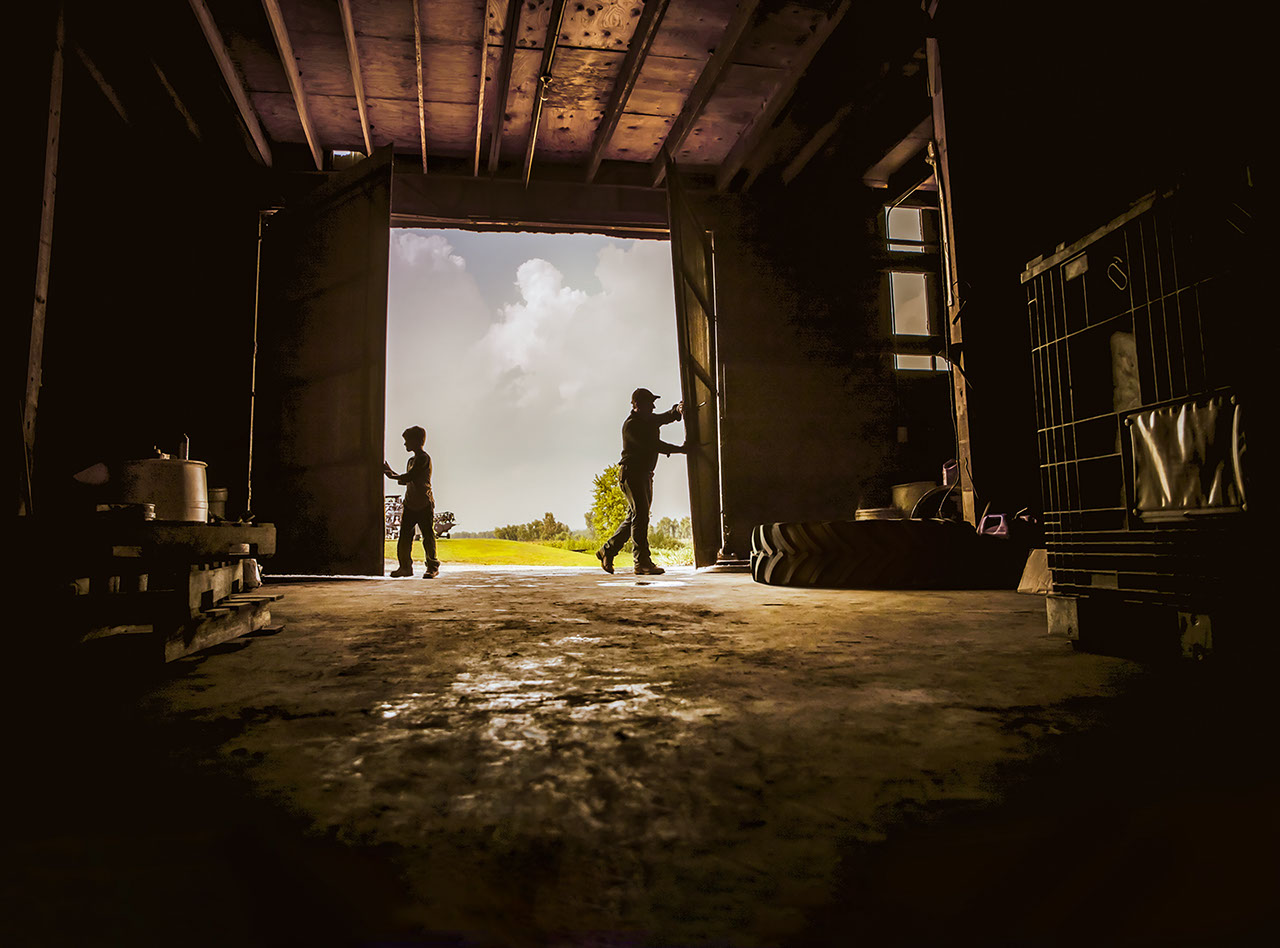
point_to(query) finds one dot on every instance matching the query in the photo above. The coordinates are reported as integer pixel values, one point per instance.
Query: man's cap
(643, 395)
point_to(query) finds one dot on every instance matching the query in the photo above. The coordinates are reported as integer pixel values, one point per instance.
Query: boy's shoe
(649, 569)
(402, 571)
(606, 561)
(431, 574)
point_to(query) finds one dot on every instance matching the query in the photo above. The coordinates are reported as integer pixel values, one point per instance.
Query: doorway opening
(518, 353)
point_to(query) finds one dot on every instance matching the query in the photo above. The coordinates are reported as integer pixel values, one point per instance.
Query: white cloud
(432, 251)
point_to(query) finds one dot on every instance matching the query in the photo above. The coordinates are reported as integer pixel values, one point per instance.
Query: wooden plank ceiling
(570, 89)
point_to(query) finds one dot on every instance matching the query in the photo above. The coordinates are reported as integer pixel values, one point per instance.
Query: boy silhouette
(419, 505)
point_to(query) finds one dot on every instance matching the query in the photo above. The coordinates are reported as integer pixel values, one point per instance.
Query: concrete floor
(515, 757)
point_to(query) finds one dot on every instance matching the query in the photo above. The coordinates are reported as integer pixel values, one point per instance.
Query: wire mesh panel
(1139, 405)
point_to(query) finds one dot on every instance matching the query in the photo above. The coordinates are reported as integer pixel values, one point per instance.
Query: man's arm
(670, 449)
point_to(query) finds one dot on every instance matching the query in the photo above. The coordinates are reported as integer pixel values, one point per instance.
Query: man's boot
(649, 569)
(404, 552)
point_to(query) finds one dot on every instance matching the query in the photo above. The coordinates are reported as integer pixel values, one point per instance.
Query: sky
(518, 353)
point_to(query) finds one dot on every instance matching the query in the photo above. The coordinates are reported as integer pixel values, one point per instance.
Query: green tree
(608, 504)
(550, 528)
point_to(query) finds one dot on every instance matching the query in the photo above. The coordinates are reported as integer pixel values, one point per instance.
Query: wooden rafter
(104, 87)
(544, 81)
(628, 73)
(734, 31)
(484, 75)
(290, 63)
(44, 254)
(253, 127)
(357, 81)
(422, 108)
(816, 143)
(176, 99)
(755, 133)
(504, 81)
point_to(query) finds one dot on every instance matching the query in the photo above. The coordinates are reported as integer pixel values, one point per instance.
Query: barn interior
(205, 192)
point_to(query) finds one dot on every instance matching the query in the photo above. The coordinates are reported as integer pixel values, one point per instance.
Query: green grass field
(505, 553)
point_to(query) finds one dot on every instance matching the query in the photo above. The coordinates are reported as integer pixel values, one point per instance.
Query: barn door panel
(696, 336)
(321, 374)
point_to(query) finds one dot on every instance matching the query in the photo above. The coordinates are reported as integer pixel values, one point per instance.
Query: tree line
(608, 510)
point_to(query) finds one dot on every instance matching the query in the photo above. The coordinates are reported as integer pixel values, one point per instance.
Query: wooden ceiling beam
(901, 152)
(628, 73)
(702, 90)
(357, 81)
(544, 82)
(752, 137)
(484, 76)
(252, 125)
(422, 108)
(290, 63)
(504, 81)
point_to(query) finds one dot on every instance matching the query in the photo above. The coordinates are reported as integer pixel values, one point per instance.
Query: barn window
(910, 292)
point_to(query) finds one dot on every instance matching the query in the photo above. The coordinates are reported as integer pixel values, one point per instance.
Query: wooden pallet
(230, 618)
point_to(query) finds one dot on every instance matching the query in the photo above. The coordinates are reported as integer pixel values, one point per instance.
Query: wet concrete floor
(562, 757)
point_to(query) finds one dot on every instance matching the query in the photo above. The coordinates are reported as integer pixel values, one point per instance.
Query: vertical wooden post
(951, 279)
(35, 350)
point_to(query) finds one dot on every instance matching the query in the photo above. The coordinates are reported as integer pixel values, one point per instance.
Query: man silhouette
(641, 446)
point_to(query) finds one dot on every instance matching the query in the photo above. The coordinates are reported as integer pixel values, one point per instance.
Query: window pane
(904, 224)
(910, 305)
(913, 362)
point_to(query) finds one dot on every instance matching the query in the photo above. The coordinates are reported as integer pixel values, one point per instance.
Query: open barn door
(691, 266)
(321, 371)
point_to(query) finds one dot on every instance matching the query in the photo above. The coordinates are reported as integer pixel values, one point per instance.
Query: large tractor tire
(872, 554)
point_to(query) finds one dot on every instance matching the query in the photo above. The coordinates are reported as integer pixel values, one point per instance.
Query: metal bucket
(179, 489)
(218, 503)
